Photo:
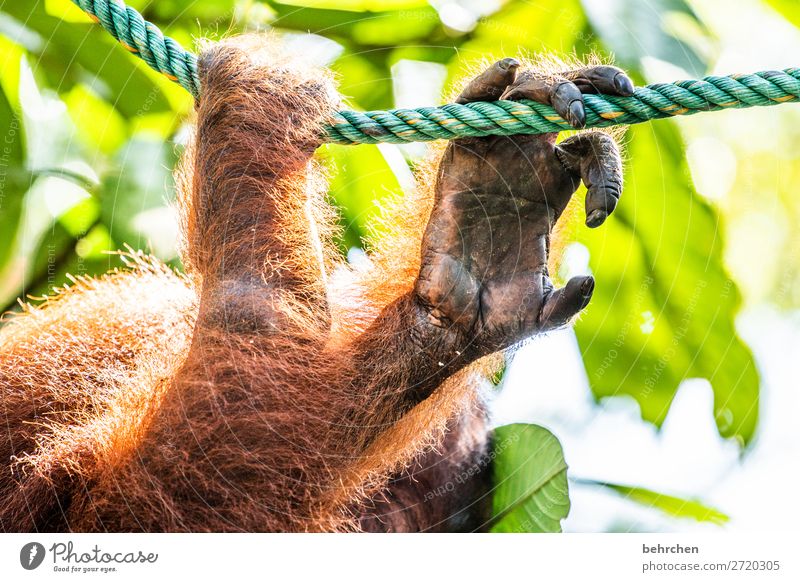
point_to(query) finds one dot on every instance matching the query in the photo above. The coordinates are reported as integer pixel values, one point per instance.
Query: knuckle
(567, 90)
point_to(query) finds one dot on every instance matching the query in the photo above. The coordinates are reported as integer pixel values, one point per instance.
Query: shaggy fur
(272, 388)
(258, 393)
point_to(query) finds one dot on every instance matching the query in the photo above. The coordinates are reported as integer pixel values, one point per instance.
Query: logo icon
(31, 555)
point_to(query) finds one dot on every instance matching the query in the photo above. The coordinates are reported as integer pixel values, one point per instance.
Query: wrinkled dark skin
(484, 263)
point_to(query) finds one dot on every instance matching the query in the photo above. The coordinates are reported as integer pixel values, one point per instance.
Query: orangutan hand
(484, 253)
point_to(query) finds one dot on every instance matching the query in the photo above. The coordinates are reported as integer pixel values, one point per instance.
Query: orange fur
(79, 375)
(272, 387)
(145, 400)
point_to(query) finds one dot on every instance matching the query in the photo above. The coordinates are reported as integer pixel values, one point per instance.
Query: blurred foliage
(670, 304)
(636, 29)
(91, 134)
(669, 504)
(789, 8)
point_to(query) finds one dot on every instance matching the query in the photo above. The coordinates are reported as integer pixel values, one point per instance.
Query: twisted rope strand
(473, 119)
(145, 40)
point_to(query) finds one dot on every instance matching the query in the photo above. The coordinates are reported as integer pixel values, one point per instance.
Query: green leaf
(13, 54)
(188, 10)
(790, 9)
(523, 28)
(66, 10)
(12, 148)
(499, 374)
(634, 29)
(13, 185)
(542, 26)
(362, 178)
(14, 181)
(53, 251)
(531, 493)
(358, 5)
(60, 254)
(98, 124)
(141, 181)
(73, 49)
(381, 28)
(367, 84)
(81, 218)
(664, 307)
(669, 504)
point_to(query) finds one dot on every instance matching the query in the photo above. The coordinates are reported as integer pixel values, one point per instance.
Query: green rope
(145, 40)
(473, 119)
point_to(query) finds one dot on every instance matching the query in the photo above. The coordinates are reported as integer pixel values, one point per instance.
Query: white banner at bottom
(386, 558)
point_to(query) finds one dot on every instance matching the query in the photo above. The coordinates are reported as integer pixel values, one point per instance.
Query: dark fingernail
(623, 84)
(587, 287)
(508, 64)
(577, 114)
(596, 218)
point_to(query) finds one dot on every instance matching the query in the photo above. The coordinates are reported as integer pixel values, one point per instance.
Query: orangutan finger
(595, 157)
(558, 92)
(565, 303)
(489, 85)
(602, 79)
